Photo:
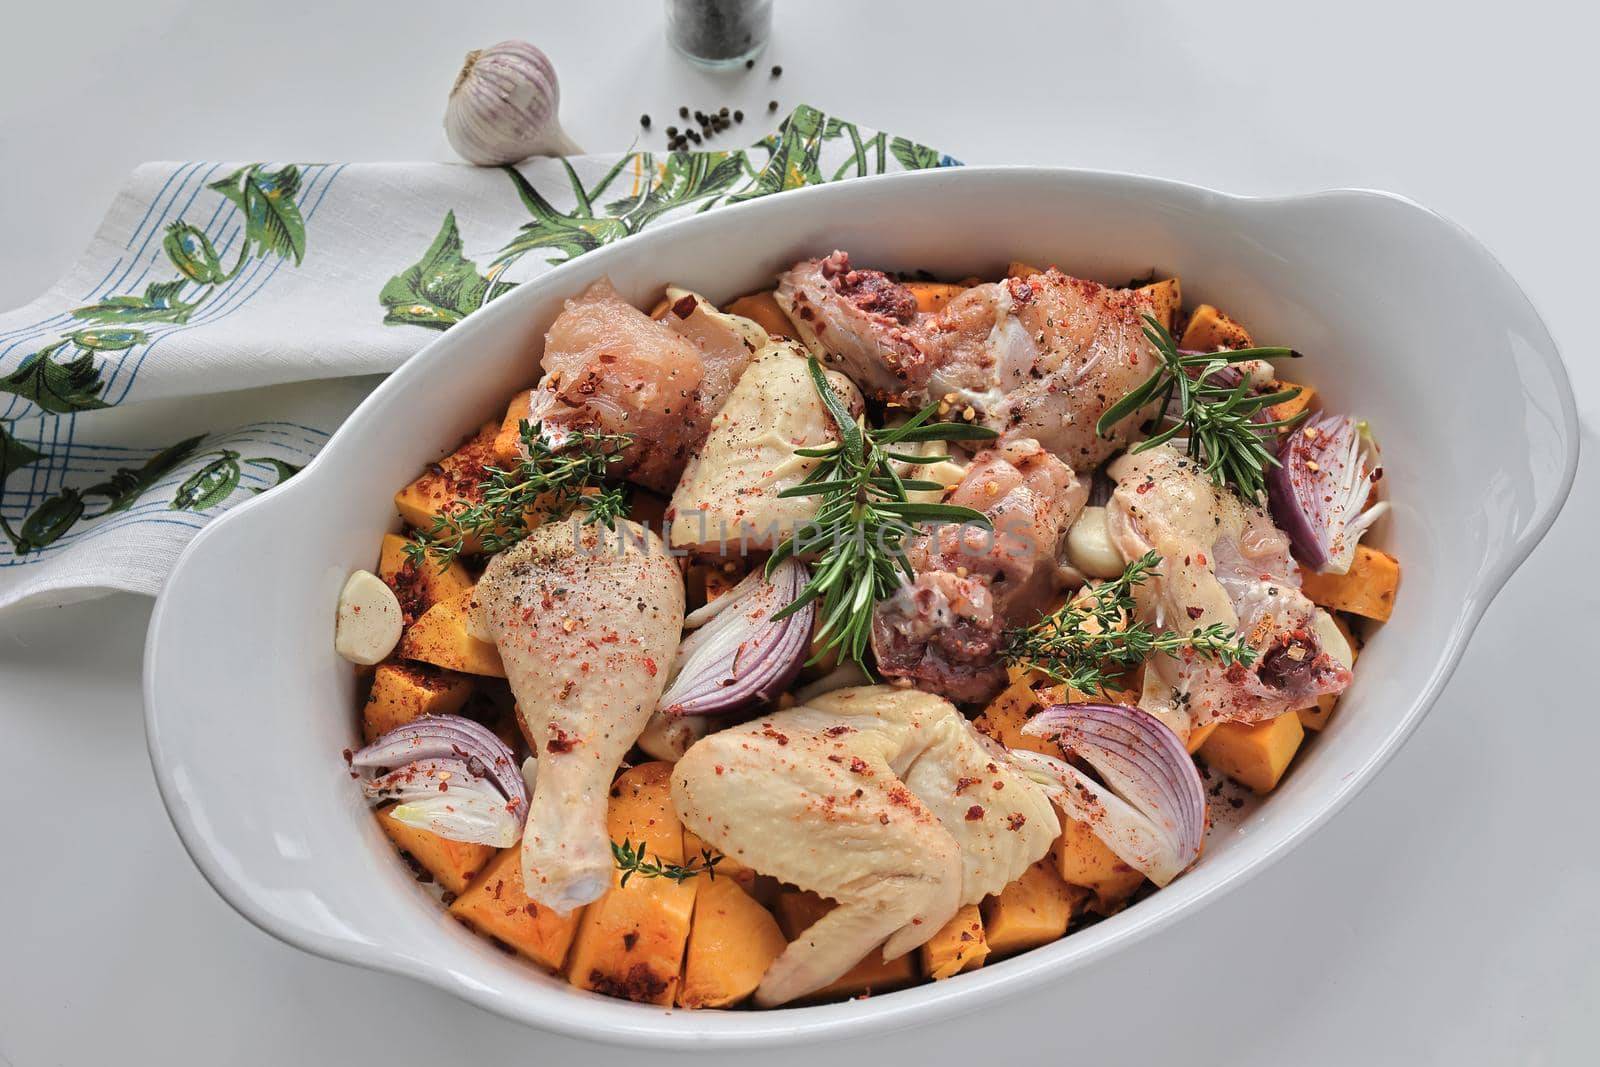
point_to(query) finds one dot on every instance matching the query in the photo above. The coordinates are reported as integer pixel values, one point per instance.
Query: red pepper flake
(859, 766)
(768, 731)
(964, 783)
(1194, 612)
(630, 938)
(883, 817)
(560, 740)
(650, 665)
(1200, 558)
(974, 813)
(838, 731)
(1015, 821)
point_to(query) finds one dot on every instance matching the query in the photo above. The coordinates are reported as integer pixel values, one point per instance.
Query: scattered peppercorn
(772, 105)
(738, 116)
(723, 112)
(749, 64)
(777, 71)
(672, 131)
(683, 112)
(644, 120)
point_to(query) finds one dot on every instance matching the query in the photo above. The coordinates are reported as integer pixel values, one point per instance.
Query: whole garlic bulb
(505, 106)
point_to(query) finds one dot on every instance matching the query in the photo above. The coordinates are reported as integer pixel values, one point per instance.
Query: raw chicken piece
(727, 343)
(1039, 358)
(729, 493)
(884, 800)
(1221, 561)
(945, 630)
(610, 368)
(587, 622)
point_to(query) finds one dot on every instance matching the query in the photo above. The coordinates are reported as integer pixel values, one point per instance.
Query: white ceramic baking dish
(1405, 318)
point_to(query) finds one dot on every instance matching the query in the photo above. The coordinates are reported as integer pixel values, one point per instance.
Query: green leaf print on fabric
(440, 289)
(14, 455)
(112, 340)
(128, 484)
(569, 234)
(50, 520)
(159, 303)
(281, 470)
(59, 388)
(192, 252)
(210, 485)
(913, 156)
(272, 218)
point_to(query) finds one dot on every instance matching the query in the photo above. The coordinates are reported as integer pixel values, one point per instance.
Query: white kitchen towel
(227, 317)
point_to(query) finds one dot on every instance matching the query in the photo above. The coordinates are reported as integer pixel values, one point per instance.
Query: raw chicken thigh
(587, 622)
(1221, 561)
(1038, 358)
(884, 800)
(610, 368)
(944, 631)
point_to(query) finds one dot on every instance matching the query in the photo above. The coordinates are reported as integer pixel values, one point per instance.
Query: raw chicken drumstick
(587, 622)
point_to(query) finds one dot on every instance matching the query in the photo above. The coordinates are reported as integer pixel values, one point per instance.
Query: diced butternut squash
(1288, 409)
(1316, 717)
(402, 692)
(1009, 712)
(959, 946)
(1209, 329)
(933, 296)
(1254, 754)
(445, 484)
(1032, 911)
(1082, 859)
(1197, 737)
(453, 864)
(508, 439)
(630, 943)
(1168, 297)
(694, 848)
(418, 588)
(1018, 269)
(732, 942)
(798, 911)
(1367, 590)
(497, 906)
(763, 309)
(441, 638)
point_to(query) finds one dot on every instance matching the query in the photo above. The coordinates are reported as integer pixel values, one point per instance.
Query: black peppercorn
(777, 71)
(738, 116)
(683, 112)
(749, 64)
(644, 120)
(672, 131)
(772, 105)
(723, 112)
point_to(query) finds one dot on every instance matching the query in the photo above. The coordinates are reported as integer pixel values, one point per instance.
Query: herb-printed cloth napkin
(227, 317)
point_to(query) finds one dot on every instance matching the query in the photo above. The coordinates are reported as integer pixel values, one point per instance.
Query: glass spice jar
(719, 33)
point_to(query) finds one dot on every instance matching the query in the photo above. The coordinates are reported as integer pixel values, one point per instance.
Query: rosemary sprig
(864, 519)
(632, 861)
(1216, 417)
(548, 480)
(1077, 642)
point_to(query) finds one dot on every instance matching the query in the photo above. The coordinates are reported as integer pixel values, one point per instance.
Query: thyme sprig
(550, 480)
(1095, 633)
(864, 519)
(1216, 415)
(631, 861)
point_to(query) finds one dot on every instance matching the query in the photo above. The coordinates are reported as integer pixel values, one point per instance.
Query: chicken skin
(1039, 358)
(610, 368)
(587, 621)
(944, 631)
(1221, 561)
(884, 800)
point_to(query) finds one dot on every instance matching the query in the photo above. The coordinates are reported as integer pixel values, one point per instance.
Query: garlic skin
(505, 106)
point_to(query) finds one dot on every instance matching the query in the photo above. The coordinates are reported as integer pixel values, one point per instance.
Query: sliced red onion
(739, 657)
(1151, 808)
(452, 776)
(1328, 467)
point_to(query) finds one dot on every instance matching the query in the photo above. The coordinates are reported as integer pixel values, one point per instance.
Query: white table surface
(1447, 916)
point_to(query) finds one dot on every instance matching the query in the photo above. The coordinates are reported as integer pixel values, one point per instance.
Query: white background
(1449, 915)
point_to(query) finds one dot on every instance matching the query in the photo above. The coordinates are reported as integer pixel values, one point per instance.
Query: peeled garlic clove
(369, 621)
(505, 107)
(1089, 546)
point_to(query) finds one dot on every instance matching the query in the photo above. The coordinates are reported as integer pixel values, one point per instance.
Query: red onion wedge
(738, 656)
(452, 776)
(1328, 467)
(1151, 809)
